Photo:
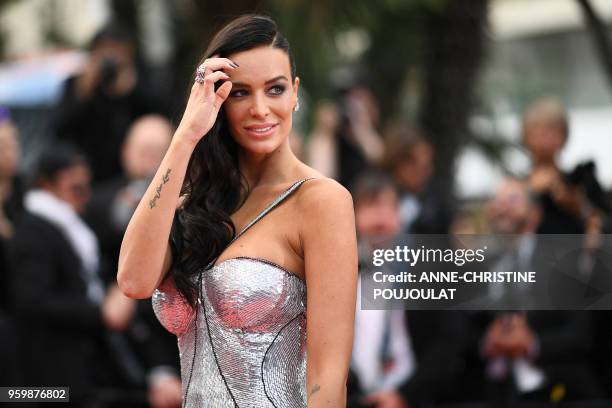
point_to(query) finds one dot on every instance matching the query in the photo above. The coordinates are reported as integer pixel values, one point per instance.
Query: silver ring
(200, 73)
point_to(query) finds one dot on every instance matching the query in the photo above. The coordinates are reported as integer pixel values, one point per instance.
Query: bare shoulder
(325, 222)
(323, 195)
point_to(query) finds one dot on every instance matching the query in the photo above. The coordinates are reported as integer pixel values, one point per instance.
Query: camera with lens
(109, 69)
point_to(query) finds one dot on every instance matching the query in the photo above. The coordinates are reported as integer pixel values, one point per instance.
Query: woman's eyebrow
(277, 78)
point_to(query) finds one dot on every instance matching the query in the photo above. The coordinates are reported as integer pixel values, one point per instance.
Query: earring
(297, 106)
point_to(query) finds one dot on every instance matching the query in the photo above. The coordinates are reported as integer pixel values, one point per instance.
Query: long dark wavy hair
(213, 184)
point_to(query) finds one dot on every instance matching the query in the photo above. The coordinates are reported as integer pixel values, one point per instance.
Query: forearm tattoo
(313, 390)
(158, 190)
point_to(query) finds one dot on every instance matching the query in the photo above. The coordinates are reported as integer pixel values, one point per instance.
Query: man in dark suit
(73, 331)
(400, 358)
(437, 338)
(410, 160)
(539, 355)
(60, 302)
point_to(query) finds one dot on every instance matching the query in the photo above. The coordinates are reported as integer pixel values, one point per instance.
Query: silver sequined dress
(245, 343)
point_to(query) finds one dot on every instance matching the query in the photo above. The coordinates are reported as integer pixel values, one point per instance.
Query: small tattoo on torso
(313, 390)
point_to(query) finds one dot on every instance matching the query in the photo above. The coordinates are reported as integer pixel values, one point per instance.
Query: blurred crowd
(63, 320)
(445, 357)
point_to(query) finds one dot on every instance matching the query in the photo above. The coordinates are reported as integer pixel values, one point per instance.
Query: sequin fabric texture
(244, 345)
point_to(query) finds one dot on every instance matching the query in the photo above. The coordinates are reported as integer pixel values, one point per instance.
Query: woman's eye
(238, 93)
(277, 89)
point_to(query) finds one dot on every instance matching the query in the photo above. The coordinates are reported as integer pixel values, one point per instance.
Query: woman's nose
(259, 106)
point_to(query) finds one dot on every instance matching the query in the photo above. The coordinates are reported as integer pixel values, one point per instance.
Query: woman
(572, 203)
(253, 229)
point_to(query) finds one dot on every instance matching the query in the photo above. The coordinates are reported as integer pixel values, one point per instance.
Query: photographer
(574, 202)
(345, 140)
(100, 103)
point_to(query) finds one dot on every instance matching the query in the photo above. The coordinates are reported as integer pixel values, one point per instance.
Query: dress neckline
(260, 260)
(279, 199)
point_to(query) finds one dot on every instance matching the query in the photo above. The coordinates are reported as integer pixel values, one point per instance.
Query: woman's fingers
(215, 64)
(204, 101)
(210, 79)
(222, 94)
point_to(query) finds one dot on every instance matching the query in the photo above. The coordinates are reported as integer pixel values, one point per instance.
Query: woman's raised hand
(146, 256)
(204, 102)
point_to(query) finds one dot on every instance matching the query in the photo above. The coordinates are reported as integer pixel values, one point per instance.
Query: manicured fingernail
(234, 64)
